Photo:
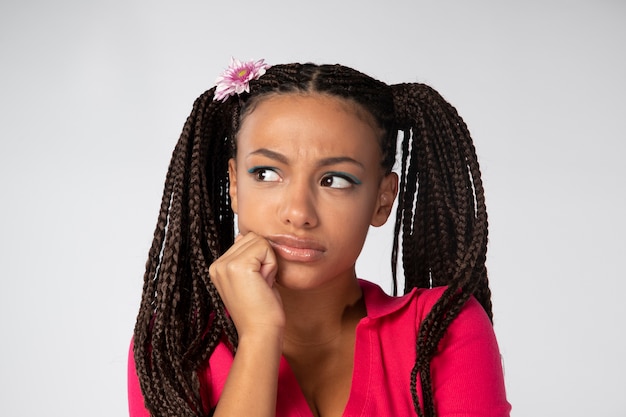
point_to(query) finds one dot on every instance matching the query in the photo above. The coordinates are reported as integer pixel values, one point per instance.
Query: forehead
(311, 125)
(303, 98)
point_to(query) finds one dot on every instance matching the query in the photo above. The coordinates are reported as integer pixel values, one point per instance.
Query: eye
(339, 180)
(264, 174)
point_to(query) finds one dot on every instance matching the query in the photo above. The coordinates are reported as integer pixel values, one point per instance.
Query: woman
(275, 321)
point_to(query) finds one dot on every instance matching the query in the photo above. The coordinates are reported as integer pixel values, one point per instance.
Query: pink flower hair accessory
(236, 78)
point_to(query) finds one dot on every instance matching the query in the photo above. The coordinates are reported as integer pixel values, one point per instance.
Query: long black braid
(440, 229)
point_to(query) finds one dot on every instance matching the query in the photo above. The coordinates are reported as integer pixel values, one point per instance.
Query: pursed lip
(296, 249)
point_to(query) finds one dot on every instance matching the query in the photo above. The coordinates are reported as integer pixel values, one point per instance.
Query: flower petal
(236, 78)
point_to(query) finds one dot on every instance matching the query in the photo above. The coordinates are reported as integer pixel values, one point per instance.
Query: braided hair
(440, 227)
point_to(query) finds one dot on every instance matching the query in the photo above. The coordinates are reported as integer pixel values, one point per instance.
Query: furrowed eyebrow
(271, 155)
(339, 160)
(322, 163)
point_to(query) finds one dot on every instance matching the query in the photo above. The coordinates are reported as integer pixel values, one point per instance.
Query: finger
(240, 244)
(260, 254)
(255, 252)
(268, 264)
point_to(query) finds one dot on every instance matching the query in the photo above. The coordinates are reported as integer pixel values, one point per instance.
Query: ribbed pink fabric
(467, 372)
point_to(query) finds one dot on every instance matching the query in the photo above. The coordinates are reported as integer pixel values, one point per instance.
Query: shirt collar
(378, 303)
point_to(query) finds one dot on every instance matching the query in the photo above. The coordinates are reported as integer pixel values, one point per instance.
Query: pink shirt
(467, 372)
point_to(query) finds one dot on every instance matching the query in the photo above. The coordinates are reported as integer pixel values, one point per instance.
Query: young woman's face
(307, 177)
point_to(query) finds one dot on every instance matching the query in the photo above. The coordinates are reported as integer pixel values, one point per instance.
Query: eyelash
(257, 172)
(352, 180)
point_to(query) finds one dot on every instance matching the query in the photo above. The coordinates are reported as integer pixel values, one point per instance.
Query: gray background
(93, 96)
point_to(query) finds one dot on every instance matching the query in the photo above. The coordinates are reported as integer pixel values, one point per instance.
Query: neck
(319, 316)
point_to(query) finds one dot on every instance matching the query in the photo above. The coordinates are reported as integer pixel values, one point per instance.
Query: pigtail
(440, 230)
(441, 219)
(181, 318)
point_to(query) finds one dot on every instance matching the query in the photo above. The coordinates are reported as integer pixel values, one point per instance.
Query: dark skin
(324, 369)
(306, 184)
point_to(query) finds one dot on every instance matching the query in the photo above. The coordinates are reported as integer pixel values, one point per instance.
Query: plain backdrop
(93, 96)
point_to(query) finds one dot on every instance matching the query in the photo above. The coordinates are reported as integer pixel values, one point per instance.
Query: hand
(245, 276)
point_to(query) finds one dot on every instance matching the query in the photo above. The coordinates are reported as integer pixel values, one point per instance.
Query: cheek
(255, 209)
(348, 217)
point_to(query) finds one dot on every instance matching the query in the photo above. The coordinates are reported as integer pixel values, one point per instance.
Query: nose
(298, 207)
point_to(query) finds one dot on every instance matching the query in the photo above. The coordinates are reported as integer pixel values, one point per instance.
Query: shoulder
(471, 328)
(466, 371)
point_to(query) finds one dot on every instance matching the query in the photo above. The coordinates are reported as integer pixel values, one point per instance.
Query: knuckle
(231, 268)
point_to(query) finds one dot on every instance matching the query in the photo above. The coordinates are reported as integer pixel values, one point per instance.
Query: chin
(303, 277)
(298, 282)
